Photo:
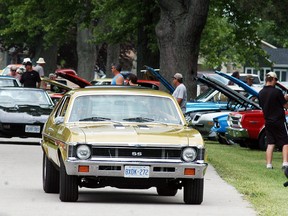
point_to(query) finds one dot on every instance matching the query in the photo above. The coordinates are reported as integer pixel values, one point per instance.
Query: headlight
(83, 152)
(189, 154)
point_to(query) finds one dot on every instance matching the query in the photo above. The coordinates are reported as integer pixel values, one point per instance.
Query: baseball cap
(272, 74)
(178, 76)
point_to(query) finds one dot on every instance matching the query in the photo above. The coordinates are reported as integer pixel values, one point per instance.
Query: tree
(179, 34)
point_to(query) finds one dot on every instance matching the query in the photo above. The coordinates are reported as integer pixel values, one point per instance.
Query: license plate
(136, 171)
(32, 129)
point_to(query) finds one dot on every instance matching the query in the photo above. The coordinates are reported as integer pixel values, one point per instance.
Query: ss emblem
(135, 154)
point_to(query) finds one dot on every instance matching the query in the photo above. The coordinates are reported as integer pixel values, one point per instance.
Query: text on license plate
(32, 128)
(136, 171)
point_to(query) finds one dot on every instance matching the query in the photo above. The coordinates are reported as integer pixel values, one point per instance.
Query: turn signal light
(82, 168)
(189, 171)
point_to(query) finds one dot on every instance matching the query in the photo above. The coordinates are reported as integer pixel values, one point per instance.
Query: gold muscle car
(123, 137)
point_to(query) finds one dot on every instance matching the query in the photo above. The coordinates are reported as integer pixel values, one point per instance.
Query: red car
(248, 127)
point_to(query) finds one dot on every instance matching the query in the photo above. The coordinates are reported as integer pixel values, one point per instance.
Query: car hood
(243, 85)
(55, 83)
(228, 92)
(23, 117)
(82, 83)
(137, 134)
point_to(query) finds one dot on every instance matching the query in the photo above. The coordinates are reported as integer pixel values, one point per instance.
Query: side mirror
(59, 120)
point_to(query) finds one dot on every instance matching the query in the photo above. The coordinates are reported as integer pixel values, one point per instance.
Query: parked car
(203, 120)
(23, 111)
(248, 127)
(114, 136)
(7, 81)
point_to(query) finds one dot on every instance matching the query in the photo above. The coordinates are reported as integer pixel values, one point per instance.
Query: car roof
(131, 90)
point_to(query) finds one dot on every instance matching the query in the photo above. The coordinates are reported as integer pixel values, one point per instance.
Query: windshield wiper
(95, 118)
(139, 119)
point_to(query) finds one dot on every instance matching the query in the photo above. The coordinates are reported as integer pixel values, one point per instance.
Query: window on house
(284, 76)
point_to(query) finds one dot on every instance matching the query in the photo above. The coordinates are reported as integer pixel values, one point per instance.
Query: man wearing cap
(249, 80)
(273, 103)
(13, 72)
(180, 93)
(30, 78)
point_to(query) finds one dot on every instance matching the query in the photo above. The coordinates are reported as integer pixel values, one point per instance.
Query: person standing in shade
(273, 103)
(249, 80)
(39, 67)
(118, 78)
(180, 93)
(30, 78)
(235, 74)
(132, 80)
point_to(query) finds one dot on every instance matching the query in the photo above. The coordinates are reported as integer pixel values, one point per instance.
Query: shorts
(277, 133)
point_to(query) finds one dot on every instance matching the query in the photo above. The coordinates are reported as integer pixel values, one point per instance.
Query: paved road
(21, 193)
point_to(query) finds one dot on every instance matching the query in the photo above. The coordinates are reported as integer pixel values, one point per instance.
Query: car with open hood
(248, 127)
(23, 111)
(203, 120)
(113, 136)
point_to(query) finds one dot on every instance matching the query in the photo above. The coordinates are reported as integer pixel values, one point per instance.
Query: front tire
(193, 191)
(68, 185)
(50, 176)
(262, 142)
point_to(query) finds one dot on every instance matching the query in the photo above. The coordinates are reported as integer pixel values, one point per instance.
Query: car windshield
(8, 82)
(125, 108)
(204, 95)
(14, 96)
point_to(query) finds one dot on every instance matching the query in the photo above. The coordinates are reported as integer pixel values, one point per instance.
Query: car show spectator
(30, 78)
(180, 93)
(249, 80)
(235, 74)
(118, 78)
(13, 72)
(132, 80)
(39, 67)
(272, 102)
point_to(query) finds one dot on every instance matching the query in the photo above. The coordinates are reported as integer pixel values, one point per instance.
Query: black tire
(221, 140)
(193, 191)
(242, 144)
(262, 143)
(167, 190)
(68, 185)
(50, 176)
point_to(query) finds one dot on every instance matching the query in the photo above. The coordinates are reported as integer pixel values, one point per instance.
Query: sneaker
(269, 166)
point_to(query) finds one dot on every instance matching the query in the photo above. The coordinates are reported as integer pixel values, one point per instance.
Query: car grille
(235, 121)
(136, 153)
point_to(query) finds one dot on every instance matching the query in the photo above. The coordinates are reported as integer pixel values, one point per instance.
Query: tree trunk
(113, 53)
(87, 54)
(179, 32)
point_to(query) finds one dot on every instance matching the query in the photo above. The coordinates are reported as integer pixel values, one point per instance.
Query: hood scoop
(119, 126)
(144, 127)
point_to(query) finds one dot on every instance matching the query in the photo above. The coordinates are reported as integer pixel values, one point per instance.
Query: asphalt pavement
(220, 198)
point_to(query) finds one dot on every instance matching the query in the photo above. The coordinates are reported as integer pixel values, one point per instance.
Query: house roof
(278, 56)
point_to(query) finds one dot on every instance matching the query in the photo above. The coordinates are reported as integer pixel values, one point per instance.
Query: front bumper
(116, 168)
(237, 133)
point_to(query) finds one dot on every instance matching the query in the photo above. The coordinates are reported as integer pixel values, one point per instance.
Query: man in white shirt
(39, 67)
(180, 93)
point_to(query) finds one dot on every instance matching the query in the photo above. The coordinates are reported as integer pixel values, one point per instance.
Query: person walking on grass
(273, 103)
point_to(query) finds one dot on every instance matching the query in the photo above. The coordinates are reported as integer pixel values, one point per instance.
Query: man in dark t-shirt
(30, 78)
(273, 103)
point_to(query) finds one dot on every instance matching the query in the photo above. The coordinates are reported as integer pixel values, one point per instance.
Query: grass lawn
(245, 169)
